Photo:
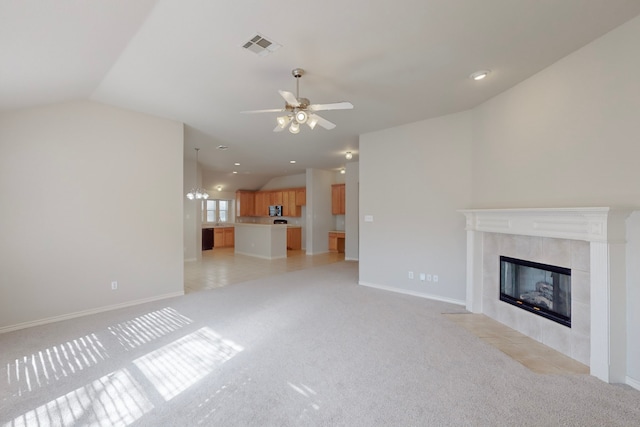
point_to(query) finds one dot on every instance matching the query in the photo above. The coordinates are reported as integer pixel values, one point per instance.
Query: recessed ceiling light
(236, 164)
(348, 155)
(292, 161)
(479, 75)
(235, 171)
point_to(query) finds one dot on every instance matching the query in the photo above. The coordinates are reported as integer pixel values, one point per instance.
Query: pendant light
(197, 193)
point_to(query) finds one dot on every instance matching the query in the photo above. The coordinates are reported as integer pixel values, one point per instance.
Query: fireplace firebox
(539, 288)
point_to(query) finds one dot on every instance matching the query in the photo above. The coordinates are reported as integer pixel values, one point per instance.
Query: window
(215, 210)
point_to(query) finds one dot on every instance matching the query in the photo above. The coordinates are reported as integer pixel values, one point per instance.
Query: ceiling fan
(300, 110)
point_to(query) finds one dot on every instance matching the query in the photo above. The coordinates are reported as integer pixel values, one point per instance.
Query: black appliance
(279, 221)
(275, 210)
(207, 239)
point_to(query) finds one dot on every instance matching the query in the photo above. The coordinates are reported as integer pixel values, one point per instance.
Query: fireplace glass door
(539, 288)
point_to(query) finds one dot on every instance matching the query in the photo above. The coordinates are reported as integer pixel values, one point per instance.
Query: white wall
(352, 209)
(568, 136)
(287, 181)
(318, 211)
(90, 194)
(413, 179)
(191, 212)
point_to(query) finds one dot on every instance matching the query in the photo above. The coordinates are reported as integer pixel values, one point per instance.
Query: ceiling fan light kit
(300, 110)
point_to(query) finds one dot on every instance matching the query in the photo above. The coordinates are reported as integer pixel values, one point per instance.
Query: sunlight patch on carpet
(178, 365)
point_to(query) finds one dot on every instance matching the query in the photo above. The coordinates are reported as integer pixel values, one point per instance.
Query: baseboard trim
(413, 293)
(633, 383)
(82, 313)
(190, 259)
(351, 259)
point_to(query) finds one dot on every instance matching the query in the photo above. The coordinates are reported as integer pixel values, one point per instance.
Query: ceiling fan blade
(316, 119)
(289, 98)
(334, 106)
(272, 110)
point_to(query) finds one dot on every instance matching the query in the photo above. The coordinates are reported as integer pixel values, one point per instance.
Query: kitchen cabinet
(336, 241)
(223, 237)
(256, 203)
(261, 203)
(294, 238)
(245, 203)
(301, 196)
(337, 199)
(229, 237)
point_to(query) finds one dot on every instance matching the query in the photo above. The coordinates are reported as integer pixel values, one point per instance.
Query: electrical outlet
(422, 276)
(411, 275)
(428, 277)
(435, 277)
(114, 286)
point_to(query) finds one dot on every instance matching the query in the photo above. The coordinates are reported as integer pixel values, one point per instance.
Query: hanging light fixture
(294, 128)
(197, 193)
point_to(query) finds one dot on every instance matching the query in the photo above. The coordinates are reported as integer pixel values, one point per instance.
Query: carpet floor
(305, 348)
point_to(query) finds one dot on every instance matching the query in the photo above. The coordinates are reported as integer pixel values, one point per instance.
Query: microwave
(275, 210)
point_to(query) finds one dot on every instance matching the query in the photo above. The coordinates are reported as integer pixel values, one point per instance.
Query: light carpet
(306, 348)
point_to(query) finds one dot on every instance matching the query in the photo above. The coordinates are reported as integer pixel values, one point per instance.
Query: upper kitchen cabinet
(301, 196)
(256, 203)
(245, 203)
(337, 199)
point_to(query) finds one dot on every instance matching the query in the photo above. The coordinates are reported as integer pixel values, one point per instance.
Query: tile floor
(221, 266)
(536, 356)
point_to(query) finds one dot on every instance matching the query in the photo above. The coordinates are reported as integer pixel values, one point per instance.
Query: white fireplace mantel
(605, 230)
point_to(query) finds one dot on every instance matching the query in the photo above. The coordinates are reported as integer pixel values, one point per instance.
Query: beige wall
(90, 194)
(568, 136)
(413, 179)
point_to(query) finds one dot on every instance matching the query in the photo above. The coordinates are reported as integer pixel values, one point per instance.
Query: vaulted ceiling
(396, 61)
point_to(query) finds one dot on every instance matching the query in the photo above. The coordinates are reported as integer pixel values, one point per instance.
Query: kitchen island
(268, 241)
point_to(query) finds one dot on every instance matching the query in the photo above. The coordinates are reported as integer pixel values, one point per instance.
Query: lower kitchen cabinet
(294, 238)
(223, 237)
(336, 241)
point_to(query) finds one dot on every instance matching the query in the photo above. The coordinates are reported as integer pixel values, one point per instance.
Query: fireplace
(541, 289)
(591, 241)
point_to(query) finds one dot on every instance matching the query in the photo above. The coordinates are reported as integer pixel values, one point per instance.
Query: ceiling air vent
(260, 45)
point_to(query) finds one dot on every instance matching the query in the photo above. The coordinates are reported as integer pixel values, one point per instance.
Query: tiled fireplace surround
(589, 241)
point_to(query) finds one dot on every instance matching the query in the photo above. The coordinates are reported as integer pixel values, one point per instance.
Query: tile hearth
(533, 355)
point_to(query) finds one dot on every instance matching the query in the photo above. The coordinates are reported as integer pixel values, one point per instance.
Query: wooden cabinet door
(301, 196)
(262, 204)
(218, 237)
(294, 239)
(285, 204)
(245, 201)
(337, 199)
(290, 200)
(333, 242)
(229, 237)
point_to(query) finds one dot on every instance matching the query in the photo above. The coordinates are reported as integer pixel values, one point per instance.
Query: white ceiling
(396, 61)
